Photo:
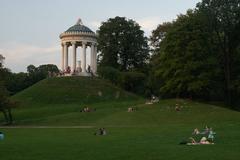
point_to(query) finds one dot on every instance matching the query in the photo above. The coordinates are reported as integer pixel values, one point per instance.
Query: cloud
(95, 25)
(148, 24)
(19, 56)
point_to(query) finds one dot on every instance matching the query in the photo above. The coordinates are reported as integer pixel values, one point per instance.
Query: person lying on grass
(87, 109)
(202, 141)
(132, 109)
(192, 140)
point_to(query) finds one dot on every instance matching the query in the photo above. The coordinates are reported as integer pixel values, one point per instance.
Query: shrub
(133, 82)
(110, 74)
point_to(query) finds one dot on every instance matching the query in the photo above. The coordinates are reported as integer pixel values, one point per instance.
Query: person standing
(1, 136)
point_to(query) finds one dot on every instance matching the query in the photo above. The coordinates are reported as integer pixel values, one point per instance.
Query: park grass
(44, 130)
(151, 133)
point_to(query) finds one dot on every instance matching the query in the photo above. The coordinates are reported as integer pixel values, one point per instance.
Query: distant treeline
(15, 82)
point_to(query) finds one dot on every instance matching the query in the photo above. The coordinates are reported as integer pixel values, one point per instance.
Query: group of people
(203, 140)
(207, 131)
(207, 136)
(101, 132)
(87, 109)
(132, 109)
(153, 99)
(75, 71)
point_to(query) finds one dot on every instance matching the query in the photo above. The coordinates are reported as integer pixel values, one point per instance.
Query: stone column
(65, 56)
(95, 58)
(92, 55)
(84, 57)
(74, 57)
(62, 65)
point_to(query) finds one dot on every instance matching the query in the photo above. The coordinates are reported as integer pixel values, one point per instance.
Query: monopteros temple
(79, 36)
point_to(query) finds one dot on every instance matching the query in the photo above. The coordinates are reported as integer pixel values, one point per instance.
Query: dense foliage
(131, 81)
(6, 104)
(110, 73)
(16, 82)
(197, 55)
(122, 44)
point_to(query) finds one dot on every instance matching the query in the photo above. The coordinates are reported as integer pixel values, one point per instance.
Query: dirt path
(47, 127)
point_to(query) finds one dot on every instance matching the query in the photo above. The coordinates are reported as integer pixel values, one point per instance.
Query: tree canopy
(1, 60)
(122, 44)
(223, 17)
(198, 53)
(6, 104)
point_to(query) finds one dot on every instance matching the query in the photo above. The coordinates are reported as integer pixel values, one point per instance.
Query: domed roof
(79, 27)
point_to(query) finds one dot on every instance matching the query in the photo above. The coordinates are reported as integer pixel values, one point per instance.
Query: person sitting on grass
(206, 130)
(104, 132)
(177, 108)
(211, 135)
(196, 131)
(130, 109)
(87, 109)
(101, 132)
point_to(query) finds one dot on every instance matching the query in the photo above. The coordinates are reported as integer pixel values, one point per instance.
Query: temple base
(84, 74)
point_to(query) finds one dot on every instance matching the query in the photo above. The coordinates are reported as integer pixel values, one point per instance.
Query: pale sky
(29, 29)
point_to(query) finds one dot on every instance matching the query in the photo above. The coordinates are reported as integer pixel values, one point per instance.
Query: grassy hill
(54, 101)
(68, 90)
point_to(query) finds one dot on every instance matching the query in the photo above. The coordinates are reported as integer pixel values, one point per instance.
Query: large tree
(6, 104)
(224, 21)
(158, 35)
(184, 63)
(199, 53)
(122, 44)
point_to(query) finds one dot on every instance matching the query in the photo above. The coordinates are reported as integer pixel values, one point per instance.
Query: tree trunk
(227, 76)
(10, 116)
(224, 43)
(5, 115)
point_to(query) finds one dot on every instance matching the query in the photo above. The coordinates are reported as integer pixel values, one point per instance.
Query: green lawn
(153, 132)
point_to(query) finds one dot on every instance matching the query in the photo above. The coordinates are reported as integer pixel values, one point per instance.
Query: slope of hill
(68, 90)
